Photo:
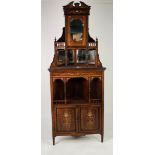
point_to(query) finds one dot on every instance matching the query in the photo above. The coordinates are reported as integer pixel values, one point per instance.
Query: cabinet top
(76, 48)
(76, 8)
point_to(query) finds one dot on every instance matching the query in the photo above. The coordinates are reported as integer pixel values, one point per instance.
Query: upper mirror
(76, 30)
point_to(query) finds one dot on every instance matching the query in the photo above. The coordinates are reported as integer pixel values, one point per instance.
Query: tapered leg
(102, 137)
(53, 140)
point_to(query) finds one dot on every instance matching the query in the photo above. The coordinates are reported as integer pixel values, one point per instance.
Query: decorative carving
(76, 8)
(54, 78)
(84, 4)
(93, 77)
(69, 4)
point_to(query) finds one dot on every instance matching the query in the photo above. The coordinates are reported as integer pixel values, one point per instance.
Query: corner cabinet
(76, 78)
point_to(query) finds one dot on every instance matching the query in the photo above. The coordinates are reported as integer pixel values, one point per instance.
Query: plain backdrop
(133, 81)
(100, 26)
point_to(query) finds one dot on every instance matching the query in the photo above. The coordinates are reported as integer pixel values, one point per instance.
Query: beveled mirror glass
(70, 56)
(76, 30)
(91, 56)
(61, 57)
(81, 56)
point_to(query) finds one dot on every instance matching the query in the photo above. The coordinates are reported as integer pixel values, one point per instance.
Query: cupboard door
(66, 119)
(89, 119)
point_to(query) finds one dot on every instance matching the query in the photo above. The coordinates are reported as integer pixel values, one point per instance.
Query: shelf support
(89, 79)
(65, 80)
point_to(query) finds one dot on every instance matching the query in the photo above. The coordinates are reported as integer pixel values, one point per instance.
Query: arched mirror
(76, 30)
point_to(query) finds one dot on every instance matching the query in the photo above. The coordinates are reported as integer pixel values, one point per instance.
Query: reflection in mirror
(70, 55)
(91, 56)
(61, 57)
(76, 29)
(81, 56)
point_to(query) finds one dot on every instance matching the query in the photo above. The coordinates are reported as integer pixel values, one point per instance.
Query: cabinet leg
(53, 140)
(102, 138)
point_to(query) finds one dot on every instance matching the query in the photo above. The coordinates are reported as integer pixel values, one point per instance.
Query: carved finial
(70, 4)
(83, 4)
(76, 4)
(55, 39)
(96, 39)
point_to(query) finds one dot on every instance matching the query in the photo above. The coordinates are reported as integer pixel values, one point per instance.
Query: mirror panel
(81, 56)
(61, 57)
(70, 56)
(91, 56)
(76, 30)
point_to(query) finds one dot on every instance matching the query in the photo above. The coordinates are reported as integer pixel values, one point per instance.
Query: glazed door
(65, 119)
(89, 119)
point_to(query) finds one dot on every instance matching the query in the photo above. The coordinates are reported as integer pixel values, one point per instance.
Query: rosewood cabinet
(76, 78)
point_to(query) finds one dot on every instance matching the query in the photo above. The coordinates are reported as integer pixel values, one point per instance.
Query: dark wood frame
(79, 117)
(69, 41)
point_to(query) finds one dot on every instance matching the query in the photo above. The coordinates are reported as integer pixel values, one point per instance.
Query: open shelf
(77, 91)
(59, 90)
(96, 89)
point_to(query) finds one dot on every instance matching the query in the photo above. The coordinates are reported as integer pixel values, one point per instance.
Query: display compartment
(59, 90)
(96, 88)
(77, 90)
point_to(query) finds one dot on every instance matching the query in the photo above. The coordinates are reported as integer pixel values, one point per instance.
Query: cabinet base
(78, 136)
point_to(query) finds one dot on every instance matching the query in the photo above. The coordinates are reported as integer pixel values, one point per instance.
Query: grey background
(100, 26)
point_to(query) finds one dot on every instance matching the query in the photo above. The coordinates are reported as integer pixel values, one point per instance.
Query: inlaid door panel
(66, 119)
(89, 119)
